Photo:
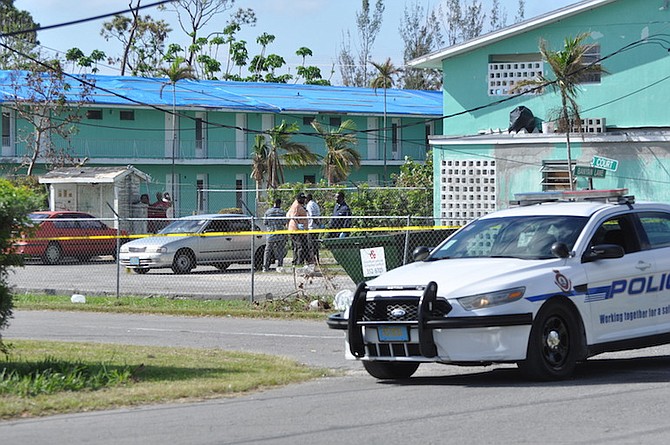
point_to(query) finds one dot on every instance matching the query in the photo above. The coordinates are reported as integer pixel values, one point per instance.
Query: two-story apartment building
(202, 132)
(479, 165)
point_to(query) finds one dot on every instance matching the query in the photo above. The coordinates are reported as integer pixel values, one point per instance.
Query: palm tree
(340, 155)
(569, 69)
(175, 72)
(259, 162)
(384, 79)
(284, 151)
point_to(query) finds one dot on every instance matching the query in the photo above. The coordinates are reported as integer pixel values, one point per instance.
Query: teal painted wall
(619, 97)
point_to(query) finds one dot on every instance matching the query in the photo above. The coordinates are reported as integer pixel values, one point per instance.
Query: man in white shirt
(314, 222)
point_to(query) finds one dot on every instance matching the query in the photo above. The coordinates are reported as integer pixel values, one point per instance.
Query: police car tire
(555, 343)
(390, 370)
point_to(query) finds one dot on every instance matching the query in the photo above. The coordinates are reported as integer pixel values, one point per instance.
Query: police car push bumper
(431, 315)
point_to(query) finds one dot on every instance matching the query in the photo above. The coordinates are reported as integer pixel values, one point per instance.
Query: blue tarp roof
(248, 96)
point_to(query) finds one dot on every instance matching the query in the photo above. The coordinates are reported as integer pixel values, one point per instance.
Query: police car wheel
(555, 344)
(390, 370)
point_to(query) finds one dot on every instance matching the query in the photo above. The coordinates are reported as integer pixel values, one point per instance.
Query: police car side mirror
(560, 250)
(603, 251)
(420, 253)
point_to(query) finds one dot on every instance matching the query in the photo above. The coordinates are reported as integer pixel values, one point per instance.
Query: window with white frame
(467, 190)
(505, 71)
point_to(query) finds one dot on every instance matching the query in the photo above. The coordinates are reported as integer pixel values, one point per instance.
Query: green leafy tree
(15, 37)
(569, 69)
(16, 202)
(193, 16)
(384, 79)
(81, 60)
(310, 74)
(340, 156)
(175, 72)
(284, 151)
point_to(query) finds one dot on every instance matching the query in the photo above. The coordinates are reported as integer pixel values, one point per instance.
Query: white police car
(559, 278)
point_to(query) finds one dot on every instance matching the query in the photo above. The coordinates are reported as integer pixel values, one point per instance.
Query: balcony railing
(191, 150)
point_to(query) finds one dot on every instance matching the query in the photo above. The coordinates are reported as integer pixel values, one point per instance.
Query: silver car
(196, 240)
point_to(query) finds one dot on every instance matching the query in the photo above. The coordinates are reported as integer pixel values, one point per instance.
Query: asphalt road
(617, 398)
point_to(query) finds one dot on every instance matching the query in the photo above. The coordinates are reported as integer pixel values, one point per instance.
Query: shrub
(16, 201)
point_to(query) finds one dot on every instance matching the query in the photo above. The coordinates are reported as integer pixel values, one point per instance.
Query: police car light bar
(616, 195)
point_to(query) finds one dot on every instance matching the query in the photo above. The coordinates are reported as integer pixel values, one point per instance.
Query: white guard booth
(100, 191)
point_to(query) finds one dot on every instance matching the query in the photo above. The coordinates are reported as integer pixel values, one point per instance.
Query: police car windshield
(524, 237)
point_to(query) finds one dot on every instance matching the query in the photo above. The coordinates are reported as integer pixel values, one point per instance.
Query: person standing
(275, 247)
(341, 215)
(297, 222)
(313, 222)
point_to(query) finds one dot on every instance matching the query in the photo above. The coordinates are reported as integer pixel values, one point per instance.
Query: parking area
(99, 277)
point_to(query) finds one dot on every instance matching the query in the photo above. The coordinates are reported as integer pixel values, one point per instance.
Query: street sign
(591, 172)
(605, 163)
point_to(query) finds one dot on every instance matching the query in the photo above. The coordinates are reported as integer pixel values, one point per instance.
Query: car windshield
(38, 216)
(185, 226)
(525, 237)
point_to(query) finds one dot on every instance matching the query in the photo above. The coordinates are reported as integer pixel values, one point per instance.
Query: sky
(317, 24)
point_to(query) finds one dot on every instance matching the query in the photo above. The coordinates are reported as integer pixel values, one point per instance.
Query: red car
(67, 234)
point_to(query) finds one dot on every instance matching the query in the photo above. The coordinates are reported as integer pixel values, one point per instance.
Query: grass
(280, 308)
(42, 377)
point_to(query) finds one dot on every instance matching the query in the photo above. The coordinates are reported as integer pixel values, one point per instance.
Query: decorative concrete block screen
(467, 190)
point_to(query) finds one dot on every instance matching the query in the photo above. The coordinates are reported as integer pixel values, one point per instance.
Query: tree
(384, 79)
(311, 74)
(51, 106)
(193, 15)
(498, 17)
(569, 69)
(81, 60)
(421, 35)
(259, 162)
(175, 72)
(16, 38)
(143, 40)
(340, 156)
(15, 203)
(354, 70)
(282, 150)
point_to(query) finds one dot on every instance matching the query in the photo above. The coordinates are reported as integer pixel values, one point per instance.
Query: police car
(545, 284)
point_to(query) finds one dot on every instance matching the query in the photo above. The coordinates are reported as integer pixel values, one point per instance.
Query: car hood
(155, 241)
(460, 277)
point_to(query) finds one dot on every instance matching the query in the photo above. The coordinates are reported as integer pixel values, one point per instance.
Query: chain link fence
(215, 258)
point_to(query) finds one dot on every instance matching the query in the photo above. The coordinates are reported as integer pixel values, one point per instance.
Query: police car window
(619, 231)
(657, 227)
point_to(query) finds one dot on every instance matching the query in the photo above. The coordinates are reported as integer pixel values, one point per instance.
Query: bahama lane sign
(590, 172)
(605, 163)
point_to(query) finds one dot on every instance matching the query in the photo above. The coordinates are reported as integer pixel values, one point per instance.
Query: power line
(84, 20)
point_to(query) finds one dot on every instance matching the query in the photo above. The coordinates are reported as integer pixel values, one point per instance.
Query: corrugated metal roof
(90, 174)
(251, 97)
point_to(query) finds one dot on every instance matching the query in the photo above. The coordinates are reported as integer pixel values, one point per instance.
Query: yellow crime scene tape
(250, 232)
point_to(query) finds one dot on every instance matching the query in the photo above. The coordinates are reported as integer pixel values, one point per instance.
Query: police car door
(619, 294)
(656, 225)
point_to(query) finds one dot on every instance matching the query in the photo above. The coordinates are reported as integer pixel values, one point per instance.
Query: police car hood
(466, 276)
